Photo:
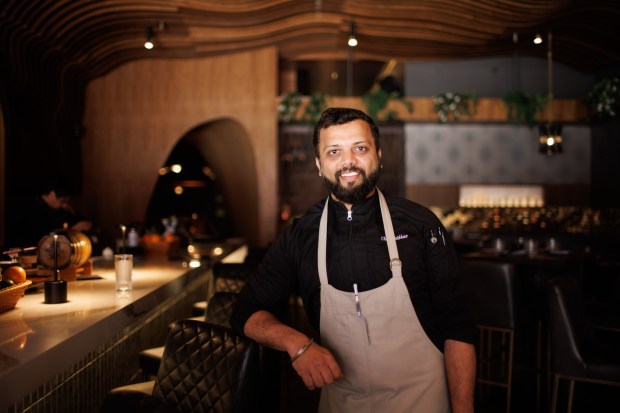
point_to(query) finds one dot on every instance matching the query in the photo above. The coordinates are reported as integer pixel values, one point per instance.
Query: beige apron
(389, 363)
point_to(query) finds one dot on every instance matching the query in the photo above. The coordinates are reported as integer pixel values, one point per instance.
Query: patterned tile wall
(492, 154)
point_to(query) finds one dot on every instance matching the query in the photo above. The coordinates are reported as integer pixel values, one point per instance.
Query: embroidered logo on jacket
(398, 237)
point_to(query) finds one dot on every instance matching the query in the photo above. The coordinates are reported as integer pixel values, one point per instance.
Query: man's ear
(379, 153)
(318, 165)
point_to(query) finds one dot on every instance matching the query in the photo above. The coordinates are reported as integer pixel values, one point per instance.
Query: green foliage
(288, 106)
(290, 103)
(523, 108)
(377, 99)
(451, 106)
(603, 101)
(316, 105)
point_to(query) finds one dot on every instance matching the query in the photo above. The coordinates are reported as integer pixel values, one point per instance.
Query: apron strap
(395, 263)
(322, 248)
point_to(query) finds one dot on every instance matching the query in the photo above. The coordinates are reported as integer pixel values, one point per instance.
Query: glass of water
(123, 265)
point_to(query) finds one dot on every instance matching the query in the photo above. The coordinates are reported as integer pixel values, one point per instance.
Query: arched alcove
(217, 180)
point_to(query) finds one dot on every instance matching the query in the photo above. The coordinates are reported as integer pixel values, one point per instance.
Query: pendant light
(550, 139)
(148, 43)
(352, 42)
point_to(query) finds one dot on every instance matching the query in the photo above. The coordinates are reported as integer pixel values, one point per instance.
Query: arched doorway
(215, 187)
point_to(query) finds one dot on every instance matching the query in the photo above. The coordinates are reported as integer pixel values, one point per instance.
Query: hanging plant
(316, 105)
(451, 106)
(603, 101)
(288, 106)
(522, 108)
(376, 101)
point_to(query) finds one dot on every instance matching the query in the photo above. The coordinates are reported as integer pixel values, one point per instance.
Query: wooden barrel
(72, 248)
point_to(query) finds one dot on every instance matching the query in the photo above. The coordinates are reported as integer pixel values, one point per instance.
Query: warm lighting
(491, 196)
(178, 189)
(352, 38)
(148, 44)
(163, 170)
(538, 39)
(550, 137)
(217, 251)
(176, 168)
(209, 172)
(550, 140)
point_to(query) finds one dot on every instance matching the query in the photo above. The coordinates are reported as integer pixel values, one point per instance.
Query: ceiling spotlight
(148, 44)
(352, 39)
(538, 39)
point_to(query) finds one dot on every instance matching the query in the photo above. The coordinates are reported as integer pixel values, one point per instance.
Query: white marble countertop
(38, 340)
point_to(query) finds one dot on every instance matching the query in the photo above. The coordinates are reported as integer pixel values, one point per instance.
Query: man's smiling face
(349, 161)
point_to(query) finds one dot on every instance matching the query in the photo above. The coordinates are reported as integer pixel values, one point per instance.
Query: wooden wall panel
(136, 114)
(2, 156)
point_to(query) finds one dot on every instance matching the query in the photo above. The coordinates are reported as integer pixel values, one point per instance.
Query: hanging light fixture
(148, 44)
(352, 39)
(550, 139)
(538, 39)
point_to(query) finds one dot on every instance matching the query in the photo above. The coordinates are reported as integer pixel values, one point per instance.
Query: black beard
(356, 194)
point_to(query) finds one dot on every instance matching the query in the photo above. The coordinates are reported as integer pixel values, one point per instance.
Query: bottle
(133, 238)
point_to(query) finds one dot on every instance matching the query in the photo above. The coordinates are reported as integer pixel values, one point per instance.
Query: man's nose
(348, 159)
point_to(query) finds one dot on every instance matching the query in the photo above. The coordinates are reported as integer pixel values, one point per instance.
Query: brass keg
(72, 248)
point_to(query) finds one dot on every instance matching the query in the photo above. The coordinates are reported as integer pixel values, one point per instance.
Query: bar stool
(217, 312)
(576, 353)
(205, 367)
(491, 291)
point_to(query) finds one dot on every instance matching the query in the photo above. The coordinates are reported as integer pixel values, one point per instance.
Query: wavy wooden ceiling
(88, 38)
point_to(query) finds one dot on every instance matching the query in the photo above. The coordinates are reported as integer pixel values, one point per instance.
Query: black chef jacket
(357, 252)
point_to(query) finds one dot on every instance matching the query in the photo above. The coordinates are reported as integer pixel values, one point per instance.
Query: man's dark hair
(340, 116)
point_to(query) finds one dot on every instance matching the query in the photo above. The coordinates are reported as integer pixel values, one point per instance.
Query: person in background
(49, 210)
(379, 280)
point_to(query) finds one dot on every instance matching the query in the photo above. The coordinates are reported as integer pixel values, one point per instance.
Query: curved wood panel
(95, 37)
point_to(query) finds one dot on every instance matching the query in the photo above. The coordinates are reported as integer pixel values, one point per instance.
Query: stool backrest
(219, 308)
(571, 335)
(491, 292)
(208, 368)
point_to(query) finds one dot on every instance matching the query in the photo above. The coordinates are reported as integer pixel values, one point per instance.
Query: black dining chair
(576, 352)
(491, 290)
(205, 368)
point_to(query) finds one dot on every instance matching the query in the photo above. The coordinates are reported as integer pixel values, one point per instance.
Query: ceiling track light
(352, 42)
(148, 44)
(538, 39)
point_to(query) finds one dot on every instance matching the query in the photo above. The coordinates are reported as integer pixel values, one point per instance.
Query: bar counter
(65, 357)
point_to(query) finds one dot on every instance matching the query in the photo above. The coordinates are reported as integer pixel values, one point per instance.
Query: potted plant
(376, 101)
(523, 108)
(315, 106)
(288, 106)
(603, 101)
(451, 106)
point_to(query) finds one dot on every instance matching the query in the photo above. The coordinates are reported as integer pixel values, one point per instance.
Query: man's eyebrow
(335, 145)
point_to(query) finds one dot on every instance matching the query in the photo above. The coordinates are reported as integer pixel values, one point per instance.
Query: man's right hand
(317, 367)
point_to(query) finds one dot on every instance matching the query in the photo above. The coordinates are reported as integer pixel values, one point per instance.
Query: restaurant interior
(182, 131)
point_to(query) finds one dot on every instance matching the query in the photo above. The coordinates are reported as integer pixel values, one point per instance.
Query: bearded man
(379, 280)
